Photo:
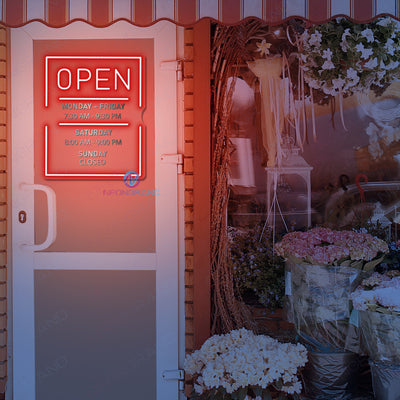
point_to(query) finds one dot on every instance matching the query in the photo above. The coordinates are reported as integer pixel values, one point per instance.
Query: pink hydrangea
(326, 246)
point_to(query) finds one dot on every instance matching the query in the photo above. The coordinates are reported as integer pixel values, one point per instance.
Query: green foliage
(257, 270)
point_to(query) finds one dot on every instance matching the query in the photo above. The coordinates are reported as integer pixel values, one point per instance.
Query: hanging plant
(341, 57)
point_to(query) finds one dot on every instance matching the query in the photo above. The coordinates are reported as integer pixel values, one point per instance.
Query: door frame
(179, 297)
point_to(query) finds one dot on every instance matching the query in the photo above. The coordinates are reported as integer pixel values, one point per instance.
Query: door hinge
(173, 159)
(174, 65)
(175, 375)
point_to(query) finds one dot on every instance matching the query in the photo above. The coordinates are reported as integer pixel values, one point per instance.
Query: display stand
(292, 164)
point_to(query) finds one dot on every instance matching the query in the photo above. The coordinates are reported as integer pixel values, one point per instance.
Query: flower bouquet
(242, 365)
(378, 301)
(323, 246)
(323, 267)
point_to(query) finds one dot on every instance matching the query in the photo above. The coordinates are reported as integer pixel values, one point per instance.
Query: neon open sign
(94, 107)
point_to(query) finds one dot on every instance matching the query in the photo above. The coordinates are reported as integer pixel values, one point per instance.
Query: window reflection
(368, 143)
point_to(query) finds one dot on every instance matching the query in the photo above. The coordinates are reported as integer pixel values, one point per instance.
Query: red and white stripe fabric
(186, 12)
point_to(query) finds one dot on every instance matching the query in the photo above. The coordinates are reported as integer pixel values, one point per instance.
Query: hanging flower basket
(341, 57)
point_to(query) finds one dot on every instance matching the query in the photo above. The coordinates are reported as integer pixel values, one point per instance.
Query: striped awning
(100, 13)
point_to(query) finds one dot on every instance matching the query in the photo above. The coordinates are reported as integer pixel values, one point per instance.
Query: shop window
(335, 164)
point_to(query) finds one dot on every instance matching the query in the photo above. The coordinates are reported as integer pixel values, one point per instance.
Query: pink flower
(323, 245)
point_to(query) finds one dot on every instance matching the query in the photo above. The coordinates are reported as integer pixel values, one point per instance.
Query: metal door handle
(52, 216)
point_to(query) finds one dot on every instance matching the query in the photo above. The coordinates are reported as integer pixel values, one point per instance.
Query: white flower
(305, 35)
(396, 24)
(198, 389)
(338, 83)
(315, 39)
(346, 33)
(330, 90)
(344, 44)
(388, 297)
(328, 64)
(375, 150)
(372, 131)
(351, 74)
(263, 47)
(385, 292)
(396, 134)
(392, 65)
(365, 52)
(371, 63)
(327, 54)
(380, 75)
(389, 47)
(242, 359)
(368, 34)
(388, 134)
(384, 21)
(313, 83)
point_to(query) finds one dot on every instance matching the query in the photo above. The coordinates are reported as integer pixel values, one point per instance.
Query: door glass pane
(94, 119)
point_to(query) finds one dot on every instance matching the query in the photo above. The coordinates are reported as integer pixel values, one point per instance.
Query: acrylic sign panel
(92, 112)
(94, 122)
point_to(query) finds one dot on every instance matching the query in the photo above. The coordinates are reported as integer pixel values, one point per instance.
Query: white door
(94, 253)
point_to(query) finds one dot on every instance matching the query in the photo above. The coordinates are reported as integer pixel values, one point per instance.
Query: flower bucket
(318, 302)
(331, 376)
(385, 381)
(381, 334)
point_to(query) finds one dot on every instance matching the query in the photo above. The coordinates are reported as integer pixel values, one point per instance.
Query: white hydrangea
(241, 359)
(378, 290)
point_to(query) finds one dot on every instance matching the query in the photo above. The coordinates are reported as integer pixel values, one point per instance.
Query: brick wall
(197, 166)
(189, 190)
(197, 183)
(3, 211)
